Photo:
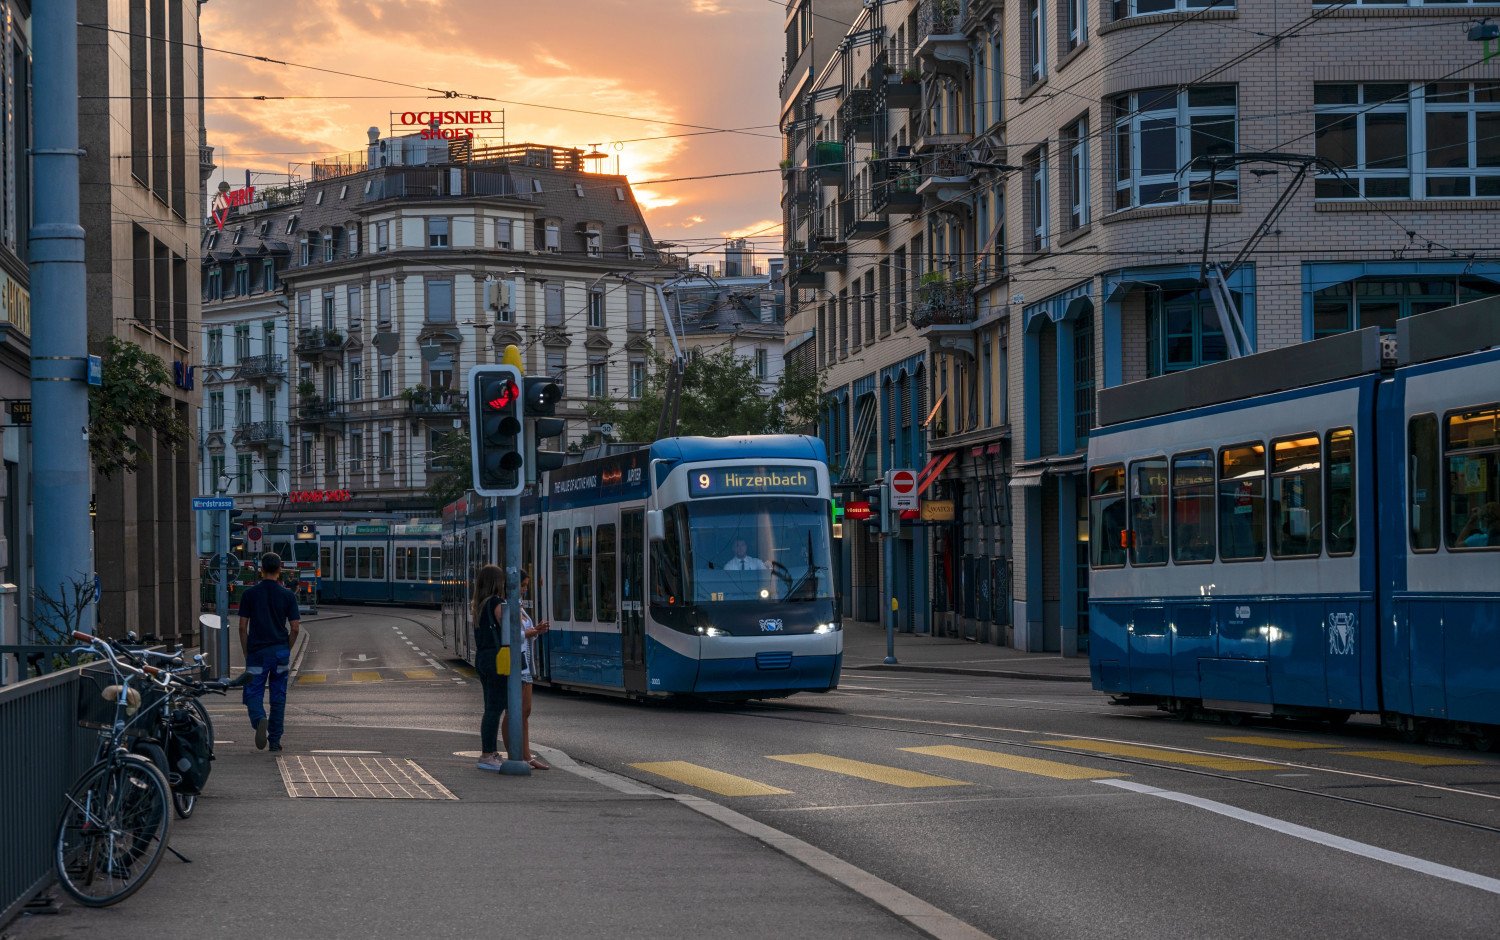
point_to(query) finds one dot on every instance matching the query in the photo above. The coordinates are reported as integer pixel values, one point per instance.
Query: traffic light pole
(221, 594)
(517, 762)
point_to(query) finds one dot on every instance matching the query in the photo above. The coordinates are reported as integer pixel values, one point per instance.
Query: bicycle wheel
(184, 803)
(202, 712)
(113, 830)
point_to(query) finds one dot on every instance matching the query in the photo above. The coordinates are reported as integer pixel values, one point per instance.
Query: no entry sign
(903, 486)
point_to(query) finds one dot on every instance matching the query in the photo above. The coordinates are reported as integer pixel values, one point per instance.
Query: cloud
(692, 220)
(763, 228)
(710, 7)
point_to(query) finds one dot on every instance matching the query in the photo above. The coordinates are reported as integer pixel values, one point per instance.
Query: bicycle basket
(95, 710)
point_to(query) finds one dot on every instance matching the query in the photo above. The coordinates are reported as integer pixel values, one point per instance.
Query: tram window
(402, 556)
(1472, 447)
(1193, 507)
(666, 560)
(583, 574)
(377, 563)
(604, 573)
(1338, 467)
(1297, 497)
(1107, 516)
(1422, 482)
(562, 607)
(349, 556)
(325, 561)
(1242, 502)
(1148, 512)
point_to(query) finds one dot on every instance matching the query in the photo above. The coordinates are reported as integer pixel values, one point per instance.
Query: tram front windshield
(757, 550)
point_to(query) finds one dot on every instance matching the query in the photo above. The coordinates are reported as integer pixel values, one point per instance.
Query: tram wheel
(1485, 741)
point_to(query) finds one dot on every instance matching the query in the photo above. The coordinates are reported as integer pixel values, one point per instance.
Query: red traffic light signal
(501, 394)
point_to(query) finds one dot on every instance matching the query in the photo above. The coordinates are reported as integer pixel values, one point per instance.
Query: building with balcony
(414, 260)
(248, 368)
(15, 320)
(740, 308)
(1104, 192)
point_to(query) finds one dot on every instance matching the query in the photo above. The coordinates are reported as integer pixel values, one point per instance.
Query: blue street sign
(96, 370)
(212, 503)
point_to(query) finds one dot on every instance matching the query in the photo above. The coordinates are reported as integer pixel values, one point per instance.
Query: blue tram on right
(1312, 531)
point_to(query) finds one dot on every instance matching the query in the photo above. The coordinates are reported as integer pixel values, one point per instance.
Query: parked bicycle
(181, 741)
(116, 820)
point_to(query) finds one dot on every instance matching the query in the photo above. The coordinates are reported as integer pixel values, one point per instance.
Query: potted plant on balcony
(306, 390)
(417, 397)
(786, 164)
(333, 338)
(910, 76)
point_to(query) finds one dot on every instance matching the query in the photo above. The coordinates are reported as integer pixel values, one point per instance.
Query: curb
(960, 671)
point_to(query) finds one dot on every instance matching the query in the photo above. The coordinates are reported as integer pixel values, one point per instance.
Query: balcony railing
(442, 183)
(858, 216)
(941, 47)
(315, 343)
(435, 401)
(944, 300)
(260, 434)
(315, 410)
(857, 115)
(262, 368)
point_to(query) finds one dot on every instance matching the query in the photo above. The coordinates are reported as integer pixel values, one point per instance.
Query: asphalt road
(1027, 808)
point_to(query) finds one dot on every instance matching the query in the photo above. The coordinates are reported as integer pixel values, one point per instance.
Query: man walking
(265, 612)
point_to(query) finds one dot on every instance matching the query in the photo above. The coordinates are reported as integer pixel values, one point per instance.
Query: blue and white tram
(1303, 532)
(695, 566)
(381, 563)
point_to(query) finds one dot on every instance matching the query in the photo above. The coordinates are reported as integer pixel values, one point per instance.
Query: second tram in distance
(694, 566)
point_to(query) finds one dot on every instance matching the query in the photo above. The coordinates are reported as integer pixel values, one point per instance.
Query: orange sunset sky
(713, 63)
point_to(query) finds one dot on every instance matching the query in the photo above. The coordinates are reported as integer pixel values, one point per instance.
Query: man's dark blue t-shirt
(268, 606)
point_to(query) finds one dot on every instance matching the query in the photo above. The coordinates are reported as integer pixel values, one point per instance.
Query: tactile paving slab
(359, 778)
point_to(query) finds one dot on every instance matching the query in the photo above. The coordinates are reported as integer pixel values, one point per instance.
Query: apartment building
(141, 194)
(414, 260)
(245, 374)
(15, 319)
(739, 308)
(1107, 191)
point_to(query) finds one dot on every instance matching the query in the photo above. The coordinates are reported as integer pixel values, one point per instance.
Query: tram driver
(742, 561)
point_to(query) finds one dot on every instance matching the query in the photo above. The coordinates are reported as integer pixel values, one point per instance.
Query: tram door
(632, 586)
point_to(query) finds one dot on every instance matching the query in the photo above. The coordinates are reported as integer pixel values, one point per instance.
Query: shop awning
(1032, 472)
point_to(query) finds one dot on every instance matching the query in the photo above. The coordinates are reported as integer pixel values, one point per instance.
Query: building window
(356, 380)
(216, 411)
(306, 253)
(1039, 221)
(215, 347)
(242, 279)
(637, 386)
(598, 380)
(1128, 8)
(356, 302)
(213, 288)
(1077, 139)
(634, 244)
(636, 312)
(1370, 130)
(596, 309)
(1037, 38)
(243, 413)
(1159, 131)
(331, 245)
(554, 298)
(557, 368)
(268, 275)
(502, 234)
(762, 365)
(268, 336)
(383, 304)
(1078, 23)
(354, 241)
(356, 451)
(382, 236)
(552, 235)
(593, 243)
(386, 382)
(437, 232)
(1083, 377)
(307, 455)
(243, 473)
(439, 299)
(328, 313)
(330, 455)
(1184, 332)
(242, 343)
(387, 450)
(1377, 301)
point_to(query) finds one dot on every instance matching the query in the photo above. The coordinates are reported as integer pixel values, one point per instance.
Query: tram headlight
(828, 627)
(712, 631)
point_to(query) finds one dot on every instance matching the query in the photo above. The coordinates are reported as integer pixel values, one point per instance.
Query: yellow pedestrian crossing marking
(879, 773)
(1161, 754)
(1025, 765)
(310, 677)
(365, 675)
(1286, 743)
(1421, 760)
(420, 674)
(714, 781)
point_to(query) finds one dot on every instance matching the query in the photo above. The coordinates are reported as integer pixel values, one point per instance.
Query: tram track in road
(765, 710)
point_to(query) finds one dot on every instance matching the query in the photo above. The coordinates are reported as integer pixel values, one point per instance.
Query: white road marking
(343, 752)
(1365, 850)
(435, 664)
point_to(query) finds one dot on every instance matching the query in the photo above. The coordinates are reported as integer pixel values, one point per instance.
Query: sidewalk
(558, 854)
(865, 647)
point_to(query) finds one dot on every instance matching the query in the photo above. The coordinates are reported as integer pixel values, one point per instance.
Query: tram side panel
(1442, 660)
(1187, 602)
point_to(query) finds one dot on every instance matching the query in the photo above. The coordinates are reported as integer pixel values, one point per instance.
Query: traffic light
(496, 417)
(542, 396)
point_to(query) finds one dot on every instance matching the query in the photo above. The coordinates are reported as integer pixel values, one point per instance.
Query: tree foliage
(456, 460)
(721, 397)
(133, 398)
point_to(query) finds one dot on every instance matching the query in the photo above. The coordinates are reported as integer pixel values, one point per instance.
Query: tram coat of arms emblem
(1341, 633)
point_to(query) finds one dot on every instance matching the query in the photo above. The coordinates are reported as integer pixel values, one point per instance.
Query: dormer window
(635, 243)
(291, 224)
(331, 244)
(208, 243)
(536, 186)
(264, 227)
(344, 191)
(239, 233)
(620, 193)
(552, 236)
(593, 240)
(578, 188)
(318, 199)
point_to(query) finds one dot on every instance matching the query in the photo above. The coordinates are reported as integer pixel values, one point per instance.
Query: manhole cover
(360, 778)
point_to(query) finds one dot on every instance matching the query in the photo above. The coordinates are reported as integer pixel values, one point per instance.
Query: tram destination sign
(749, 481)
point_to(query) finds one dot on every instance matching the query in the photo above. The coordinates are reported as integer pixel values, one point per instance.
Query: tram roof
(1451, 331)
(1299, 366)
(774, 446)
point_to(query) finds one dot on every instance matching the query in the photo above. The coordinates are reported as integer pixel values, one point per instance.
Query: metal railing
(42, 752)
(262, 367)
(259, 432)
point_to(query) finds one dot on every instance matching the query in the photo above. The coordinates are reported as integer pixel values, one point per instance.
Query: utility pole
(61, 472)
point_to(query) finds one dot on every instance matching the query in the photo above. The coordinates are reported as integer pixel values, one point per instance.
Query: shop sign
(937, 510)
(858, 510)
(17, 302)
(321, 496)
(20, 411)
(450, 125)
(226, 199)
